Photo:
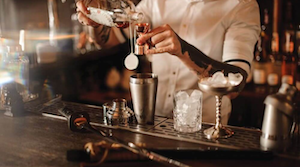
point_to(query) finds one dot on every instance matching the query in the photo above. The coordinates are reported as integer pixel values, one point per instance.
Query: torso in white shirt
(202, 23)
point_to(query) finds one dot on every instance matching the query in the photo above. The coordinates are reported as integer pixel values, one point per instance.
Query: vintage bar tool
(278, 123)
(119, 113)
(80, 122)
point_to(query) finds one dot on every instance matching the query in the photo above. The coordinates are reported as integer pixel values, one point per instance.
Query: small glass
(105, 108)
(187, 112)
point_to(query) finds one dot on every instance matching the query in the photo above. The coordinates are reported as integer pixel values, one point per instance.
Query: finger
(83, 19)
(158, 50)
(142, 39)
(163, 43)
(159, 37)
(81, 7)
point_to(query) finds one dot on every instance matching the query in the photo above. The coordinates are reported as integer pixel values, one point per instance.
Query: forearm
(205, 66)
(105, 36)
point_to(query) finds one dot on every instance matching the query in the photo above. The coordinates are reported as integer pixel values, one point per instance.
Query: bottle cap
(273, 79)
(287, 79)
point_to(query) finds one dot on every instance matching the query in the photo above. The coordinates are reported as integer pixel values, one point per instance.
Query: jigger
(217, 131)
(141, 28)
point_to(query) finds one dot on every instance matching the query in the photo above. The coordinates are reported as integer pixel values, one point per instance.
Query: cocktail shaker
(279, 122)
(118, 113)
(143, 89)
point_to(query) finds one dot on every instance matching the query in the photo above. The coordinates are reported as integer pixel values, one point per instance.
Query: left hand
(164, 39)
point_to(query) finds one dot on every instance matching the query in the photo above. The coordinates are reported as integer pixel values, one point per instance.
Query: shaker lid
(143, 78)
(282, 100)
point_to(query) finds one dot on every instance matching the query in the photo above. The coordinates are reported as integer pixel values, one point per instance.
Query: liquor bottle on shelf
(297, 48)
(116, 13)
(262, 50)
(297, 82)
(289, 58)
(275, 59)
(259, 64)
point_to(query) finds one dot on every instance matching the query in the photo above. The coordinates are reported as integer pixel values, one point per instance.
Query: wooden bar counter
(36, 139)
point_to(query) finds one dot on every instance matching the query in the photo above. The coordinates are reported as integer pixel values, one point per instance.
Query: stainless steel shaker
(118, 113)
(278, 122)
(143, 89)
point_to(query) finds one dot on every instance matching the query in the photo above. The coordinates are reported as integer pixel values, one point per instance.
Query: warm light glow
(5, 77)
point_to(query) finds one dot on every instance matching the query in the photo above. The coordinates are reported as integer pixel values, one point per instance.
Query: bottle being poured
(120, 14)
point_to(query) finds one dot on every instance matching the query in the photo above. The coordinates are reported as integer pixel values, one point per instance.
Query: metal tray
(243, 138)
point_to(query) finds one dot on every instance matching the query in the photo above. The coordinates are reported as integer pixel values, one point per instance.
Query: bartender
(187, 31)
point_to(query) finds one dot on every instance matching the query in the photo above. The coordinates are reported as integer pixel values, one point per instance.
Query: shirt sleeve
(145, 6)
(242, 34)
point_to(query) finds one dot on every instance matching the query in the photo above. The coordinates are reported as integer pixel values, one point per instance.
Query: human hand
(164, 39)
(82, 11)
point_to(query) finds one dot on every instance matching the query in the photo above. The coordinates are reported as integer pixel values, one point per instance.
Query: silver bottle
(278, 123)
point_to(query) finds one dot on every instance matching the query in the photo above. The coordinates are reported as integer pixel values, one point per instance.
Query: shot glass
(105, 108)
(187, 112)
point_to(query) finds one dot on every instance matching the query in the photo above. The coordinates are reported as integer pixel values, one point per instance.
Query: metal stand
(218, 131)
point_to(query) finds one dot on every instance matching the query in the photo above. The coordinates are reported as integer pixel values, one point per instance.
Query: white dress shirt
(224, 30)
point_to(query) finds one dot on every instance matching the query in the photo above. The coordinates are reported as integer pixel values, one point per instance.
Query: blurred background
(83, 72)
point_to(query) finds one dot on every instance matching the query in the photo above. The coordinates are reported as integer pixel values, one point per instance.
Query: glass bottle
(266, 35)
(275, 59)
(288, 48)
(114, 13)
(259, 70)
(17, 65)
(297, 49)
(262, 50)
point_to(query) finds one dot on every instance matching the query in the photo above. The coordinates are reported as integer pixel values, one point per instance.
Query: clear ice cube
(181, 95)
(218, 77)
(196, 94)
(235, 79)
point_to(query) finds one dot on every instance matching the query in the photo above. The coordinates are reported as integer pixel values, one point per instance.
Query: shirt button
(184, 26)
(169, 95)
(174, 73)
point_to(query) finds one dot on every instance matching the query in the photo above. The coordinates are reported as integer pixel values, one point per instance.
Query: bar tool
(119, 113)
(278, 122)
(140, 29)
(143, 89)
(80, 122)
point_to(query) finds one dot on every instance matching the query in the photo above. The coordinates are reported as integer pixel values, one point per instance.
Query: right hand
(81, 8)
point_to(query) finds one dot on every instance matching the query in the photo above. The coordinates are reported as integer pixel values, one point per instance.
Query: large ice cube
(181, 95)
(235, 79)
(219, 78)
(196, 94)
